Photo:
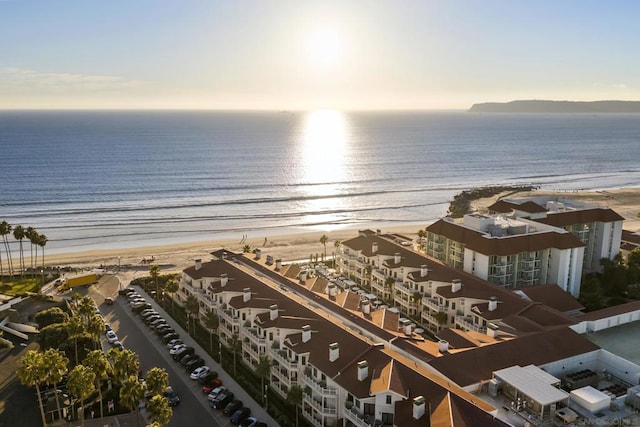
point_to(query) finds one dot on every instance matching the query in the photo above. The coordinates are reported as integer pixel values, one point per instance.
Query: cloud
(35, 81)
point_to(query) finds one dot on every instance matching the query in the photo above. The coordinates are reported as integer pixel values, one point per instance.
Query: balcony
(466, 322)
(252, 335)
(354, 415)
(252, 349)
(316, 386)
(228, 317)
(433, 305)
(317, 405)
(280, 356)
(282, 375)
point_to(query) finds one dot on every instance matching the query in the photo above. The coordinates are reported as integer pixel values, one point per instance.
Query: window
(389, 399)
(369, 409)
(387, 418)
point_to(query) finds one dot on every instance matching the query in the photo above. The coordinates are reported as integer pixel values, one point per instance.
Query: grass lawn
(20, 286)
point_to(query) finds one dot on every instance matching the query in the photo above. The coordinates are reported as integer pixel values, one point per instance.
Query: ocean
(117, 179)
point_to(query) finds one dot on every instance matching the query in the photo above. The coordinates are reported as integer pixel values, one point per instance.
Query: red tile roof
(580, 216)
(506, 206)
(553, 296)
(506, 245)
(611, 311)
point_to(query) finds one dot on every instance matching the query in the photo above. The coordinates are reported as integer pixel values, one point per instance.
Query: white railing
(289, 364)
(315, 386)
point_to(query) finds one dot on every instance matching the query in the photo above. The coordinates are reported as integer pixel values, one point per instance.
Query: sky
(305, 55)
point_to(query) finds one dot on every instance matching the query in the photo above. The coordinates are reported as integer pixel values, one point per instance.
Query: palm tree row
(122, 366)
(19, 234)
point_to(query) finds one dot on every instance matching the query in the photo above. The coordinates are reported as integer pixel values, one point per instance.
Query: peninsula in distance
(542, 106)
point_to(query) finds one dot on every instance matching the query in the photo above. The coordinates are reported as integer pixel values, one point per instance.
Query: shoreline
(297, 246)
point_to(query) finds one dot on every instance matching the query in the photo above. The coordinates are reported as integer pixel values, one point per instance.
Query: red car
(210, 385)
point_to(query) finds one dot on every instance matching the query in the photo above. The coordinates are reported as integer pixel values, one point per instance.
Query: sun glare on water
(326, 48)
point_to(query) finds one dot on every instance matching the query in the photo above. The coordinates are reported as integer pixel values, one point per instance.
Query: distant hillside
(536, 106)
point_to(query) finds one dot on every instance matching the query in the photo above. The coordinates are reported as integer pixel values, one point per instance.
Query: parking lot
(194, 406)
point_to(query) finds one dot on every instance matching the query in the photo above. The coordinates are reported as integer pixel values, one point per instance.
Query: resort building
(508, 252)
(347, 379)
(599, 228)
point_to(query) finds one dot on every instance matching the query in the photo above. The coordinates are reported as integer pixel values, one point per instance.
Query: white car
(112, 337)
(177, 348)
(174, 342)
(133, 296)
(215, 392)
(200, 372)
(137, 301)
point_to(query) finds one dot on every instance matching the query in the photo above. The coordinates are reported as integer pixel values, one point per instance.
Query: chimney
(396, 258)
(406, 326)
(423, 270)
(493, 330)
(246, 294)
(224, 255)
(374, 247)
(278, 264)
(306, 333)
(224, 279)
(331, 289)
(443, 346)
(334, 352)
(456, 285)
(378, 232)
(273, 312)
(198, 264)
(303, 276)
(493, 303)
(418, 407)
(363, 370)
(366, 307)
(258, 253)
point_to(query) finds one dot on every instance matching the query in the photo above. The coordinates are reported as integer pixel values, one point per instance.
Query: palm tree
(86, 307)
(263, 370)
(124, 363)
(193, 307)
(154, 272)
(336, 244)
(95, 328)
(422, 234)
(42, 242)
(236, 346)
(157, 380)
(172, 287)
(246, 249)
(294, 396)
(32, 373)
(28, 233)
(18, 234)
(75, 328)
(5, 229)
(159, 410)
(33, 238)
(56, 366)
(131, 392)
(81, 385)
(211, 322)
(98, 363)
(324, 239)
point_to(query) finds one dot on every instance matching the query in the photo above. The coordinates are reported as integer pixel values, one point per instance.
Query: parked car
(172, 396)
(154, 320)
(138, 308)
(200, 372)
(249, 422)
(222, 400)
(240, 415)
(174, 342)
(186, 359)
(108, 300)
(133, 295)
(211, 375)
(147, 312)
(126, 291)
(107, 327)
(194, 363)
(170, 337)
(111, 337)
(215, 393)
(178, 355)
(177, 348)
(209, 385)
(118, 345)
(232, 407)
(164, 330)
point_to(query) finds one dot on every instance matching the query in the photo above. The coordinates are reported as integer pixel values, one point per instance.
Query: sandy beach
(299, 246)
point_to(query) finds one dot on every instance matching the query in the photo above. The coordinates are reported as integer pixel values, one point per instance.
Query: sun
(326, 48)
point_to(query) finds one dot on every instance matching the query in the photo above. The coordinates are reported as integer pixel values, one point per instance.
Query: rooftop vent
(334, 352)
(418, 407)
(423, 271)
(198, 264)
(456, 285)
(306, 333)
(363, 370)
(366, 307)
(493, 303)
(374, 247)
(246, 294)
(396, 258)
(443, 346)
(224, 279)
(273, 312)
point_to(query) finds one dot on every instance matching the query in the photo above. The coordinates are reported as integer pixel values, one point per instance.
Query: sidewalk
(256, 409)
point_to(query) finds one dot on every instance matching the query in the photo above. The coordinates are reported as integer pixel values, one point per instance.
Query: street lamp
(266, 398)
(219, 352)
(42, 274)
(119, 264)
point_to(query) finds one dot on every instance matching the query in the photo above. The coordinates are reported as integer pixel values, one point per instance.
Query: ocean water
(91, 180)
